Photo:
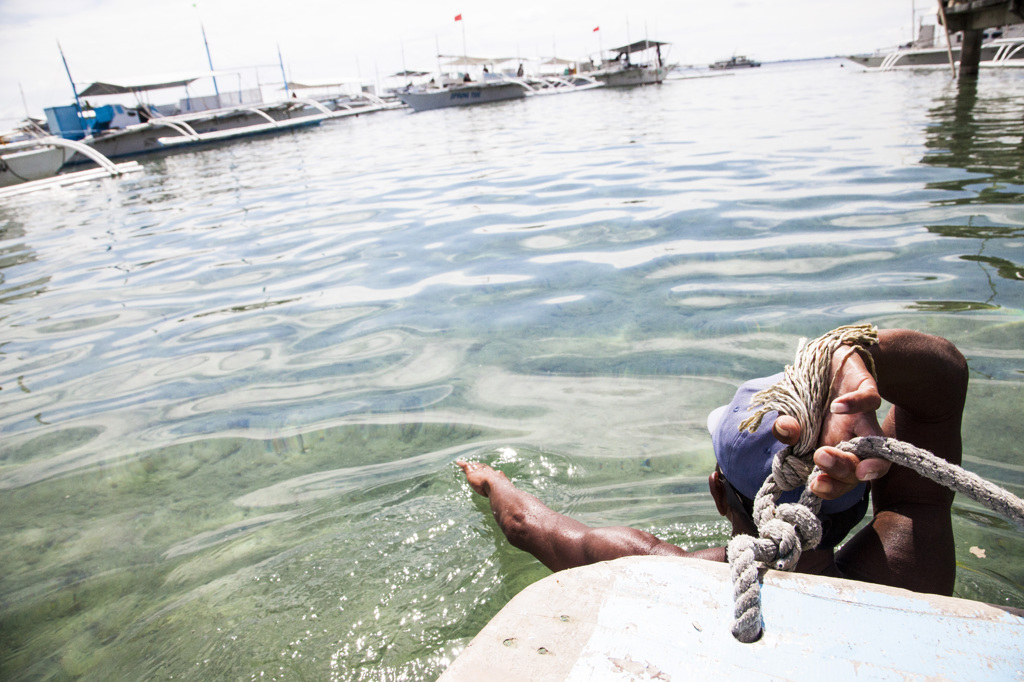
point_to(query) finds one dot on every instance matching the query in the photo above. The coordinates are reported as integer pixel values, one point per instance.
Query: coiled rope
(787, 529)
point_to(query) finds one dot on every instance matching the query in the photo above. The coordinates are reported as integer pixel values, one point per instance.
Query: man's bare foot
(479, 476)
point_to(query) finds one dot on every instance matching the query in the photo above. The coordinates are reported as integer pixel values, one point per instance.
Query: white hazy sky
(322, 40)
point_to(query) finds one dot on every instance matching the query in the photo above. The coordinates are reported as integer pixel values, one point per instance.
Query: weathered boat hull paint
(669, 619)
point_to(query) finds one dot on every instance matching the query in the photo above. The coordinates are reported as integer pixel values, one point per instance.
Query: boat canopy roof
(558, 61)
(313, 86)
(474, 61)
(145, 84)
(409, 74)
(638, 46)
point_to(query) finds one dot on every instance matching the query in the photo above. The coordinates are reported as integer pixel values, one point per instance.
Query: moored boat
(116, 130)
(23, 169)
(462, 95)
(25, 156)
(1001, 47)
(447, 90)
(624, 71)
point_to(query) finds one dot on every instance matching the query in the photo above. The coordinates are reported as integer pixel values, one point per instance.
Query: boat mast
(209, 60)
(283, 75)
(24, 102)
(74, 90)
(627, 39)
(465, 55)
(440, 73)
(913, 22)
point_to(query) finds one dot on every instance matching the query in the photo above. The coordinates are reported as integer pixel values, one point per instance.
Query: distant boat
(735, 62)
(624, 71)
(1000, 47)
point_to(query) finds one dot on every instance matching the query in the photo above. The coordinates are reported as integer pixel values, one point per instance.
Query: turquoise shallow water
(232, 388)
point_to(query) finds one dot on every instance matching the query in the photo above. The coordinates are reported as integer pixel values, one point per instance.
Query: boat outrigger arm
(178, 126)
(188, 134)
(107, 168)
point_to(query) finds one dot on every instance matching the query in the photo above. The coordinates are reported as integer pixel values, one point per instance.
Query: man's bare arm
(909, 542)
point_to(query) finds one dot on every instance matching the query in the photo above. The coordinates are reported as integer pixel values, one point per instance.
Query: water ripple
(232, 386)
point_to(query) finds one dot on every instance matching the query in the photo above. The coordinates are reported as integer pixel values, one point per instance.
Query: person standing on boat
(909, 541)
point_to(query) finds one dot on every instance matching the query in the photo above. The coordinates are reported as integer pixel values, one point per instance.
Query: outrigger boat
(38, 161)
(116, 131)
(455, 92)
(566, 79)
(33, 163)
(623, 71)
(334, 96)
(23, 158)
(461, 95)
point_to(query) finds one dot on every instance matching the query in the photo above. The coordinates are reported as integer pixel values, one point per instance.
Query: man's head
(745, 461)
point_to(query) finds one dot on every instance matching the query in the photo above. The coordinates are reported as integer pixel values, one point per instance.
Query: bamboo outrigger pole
(949, 48)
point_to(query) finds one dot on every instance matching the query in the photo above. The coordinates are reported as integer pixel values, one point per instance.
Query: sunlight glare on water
(233, 386)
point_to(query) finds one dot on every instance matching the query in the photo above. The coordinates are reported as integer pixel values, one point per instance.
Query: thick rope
(939, 471)
(787, 529)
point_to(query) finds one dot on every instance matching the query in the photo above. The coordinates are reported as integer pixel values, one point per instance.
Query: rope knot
(783, 550)
(789, 470)
(806, 525)
(785, 531)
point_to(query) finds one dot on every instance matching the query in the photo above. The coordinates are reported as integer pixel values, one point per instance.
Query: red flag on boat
(458, 17)
(596, 29)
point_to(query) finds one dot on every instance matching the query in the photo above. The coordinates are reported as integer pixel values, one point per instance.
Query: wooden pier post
(973, 17)
(970, 53)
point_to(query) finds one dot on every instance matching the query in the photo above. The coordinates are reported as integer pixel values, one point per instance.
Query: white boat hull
(664, 618)
(31, 164)
(31, 148)
(632, 75)
(1005, 53)
(462, 95)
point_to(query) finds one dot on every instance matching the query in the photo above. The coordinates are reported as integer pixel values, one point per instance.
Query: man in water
(908, 542)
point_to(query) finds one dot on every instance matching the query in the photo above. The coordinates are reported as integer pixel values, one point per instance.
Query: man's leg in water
(558, 541)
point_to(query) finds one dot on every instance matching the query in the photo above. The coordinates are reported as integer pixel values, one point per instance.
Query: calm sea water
(232, 388)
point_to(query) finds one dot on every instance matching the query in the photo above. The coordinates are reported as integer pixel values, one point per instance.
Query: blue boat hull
(663, 618)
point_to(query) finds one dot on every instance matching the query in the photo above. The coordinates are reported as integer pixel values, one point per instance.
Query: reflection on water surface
(233, 387)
